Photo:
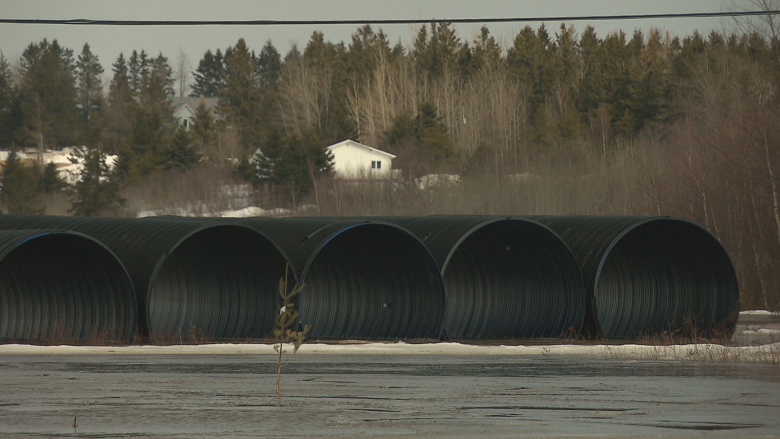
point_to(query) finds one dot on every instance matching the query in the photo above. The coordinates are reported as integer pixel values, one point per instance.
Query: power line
(89, 22)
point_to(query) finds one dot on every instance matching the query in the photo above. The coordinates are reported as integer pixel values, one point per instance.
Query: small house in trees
(184, 109)
(353, 160)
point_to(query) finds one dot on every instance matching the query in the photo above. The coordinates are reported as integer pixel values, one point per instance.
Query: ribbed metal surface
(60, 286)
(216, 280)
(363, 280)
(645, 275)
(504, 277)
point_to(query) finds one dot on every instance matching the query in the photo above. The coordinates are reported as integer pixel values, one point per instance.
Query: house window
(185, 122)
(376, 164)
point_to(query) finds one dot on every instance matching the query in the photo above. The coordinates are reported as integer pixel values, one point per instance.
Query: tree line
(555, 122)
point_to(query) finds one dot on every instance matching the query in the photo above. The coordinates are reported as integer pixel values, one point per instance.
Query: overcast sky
(108, 41)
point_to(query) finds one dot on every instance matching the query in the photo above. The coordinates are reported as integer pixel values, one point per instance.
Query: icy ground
(432, 390)
(342, 394)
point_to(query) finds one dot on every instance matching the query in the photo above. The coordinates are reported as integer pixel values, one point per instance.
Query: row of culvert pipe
(434, 277)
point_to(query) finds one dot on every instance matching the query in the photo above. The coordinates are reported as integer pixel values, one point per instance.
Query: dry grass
(689, 344)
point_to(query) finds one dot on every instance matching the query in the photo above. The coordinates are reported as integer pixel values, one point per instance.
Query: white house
(184, 109)
(354, 160)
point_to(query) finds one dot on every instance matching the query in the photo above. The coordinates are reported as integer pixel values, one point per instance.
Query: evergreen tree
(431, 135)
(591, 87)
(529, 59)
(120, 104)
(50, 179)
(401, 133)
(266, 159)
(209, 76)
(19, 187)
(487, 52)
(438, 53)
(95, 193)
(204, 131)
(138, 69)
(269, 66)
(49, 94)
(164, 73)
(291, 163)
(365, 51)
(11, 117)
(89, 79)
(334, 123)
(144, 151)
(616, 83)
(240, 102)
(650, 83)
(566, 70)
(182, 153)
(421, 144)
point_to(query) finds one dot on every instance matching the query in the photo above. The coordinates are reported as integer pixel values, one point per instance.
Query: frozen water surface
(367, 390)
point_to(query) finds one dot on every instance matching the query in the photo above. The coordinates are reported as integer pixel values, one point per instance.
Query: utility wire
(85, 21)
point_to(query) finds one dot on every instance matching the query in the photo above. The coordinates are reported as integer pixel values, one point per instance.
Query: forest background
(555, 123)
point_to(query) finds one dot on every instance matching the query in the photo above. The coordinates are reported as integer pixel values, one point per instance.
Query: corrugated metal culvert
(212, 280)
(645, 275)
(366, 278)
(363, 280)
(503, 277)
(59, 287)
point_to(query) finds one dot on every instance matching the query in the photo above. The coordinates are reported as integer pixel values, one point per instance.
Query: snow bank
(704, 351)
(67, 171)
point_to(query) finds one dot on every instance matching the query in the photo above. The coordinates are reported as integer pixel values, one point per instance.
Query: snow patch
(400, 348)
(758, 312)
(68, 171)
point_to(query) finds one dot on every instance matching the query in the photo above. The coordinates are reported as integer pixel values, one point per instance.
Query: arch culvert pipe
(646, 275)
(363, 280)
(503, 277)
(202, 279)
(62, 287)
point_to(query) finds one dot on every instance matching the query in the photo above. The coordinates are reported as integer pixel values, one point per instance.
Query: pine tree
(269, 66)
(486, 51)
(438, 53)
(431, 135)
(241, 99)
(144, 151)
(49, 94)
(11, 117)
(204, 131)
(401, 133)
(365, 51)
(89, 80)
(591, 89)
(182, 153)
(293, 164)
(138, 70)
(209, 76)
(164, 73)
(529, 60)
(96, 192)
(19, 187)
(50, 179)
(120, 104)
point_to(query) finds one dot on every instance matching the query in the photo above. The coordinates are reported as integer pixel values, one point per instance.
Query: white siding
(355, 160)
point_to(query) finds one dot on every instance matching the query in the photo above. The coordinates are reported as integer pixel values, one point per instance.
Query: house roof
(350, 142)
(179, 103)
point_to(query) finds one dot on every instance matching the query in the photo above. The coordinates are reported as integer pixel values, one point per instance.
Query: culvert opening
(63, 288)
(666, 275)
(512, 279)
(372, 281)
(219, 283)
